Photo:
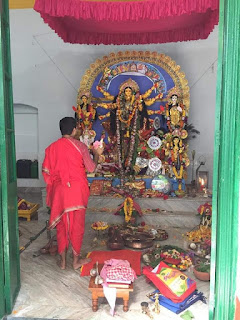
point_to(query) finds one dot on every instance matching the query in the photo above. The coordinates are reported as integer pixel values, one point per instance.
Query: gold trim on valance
(21, 4)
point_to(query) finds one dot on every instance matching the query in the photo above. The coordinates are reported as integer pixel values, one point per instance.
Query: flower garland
(128, 161)
(168, 118)
(132, 143)
(131, 113)
(202, 233)
(128, 208)
(205, 208)
(178, 176)
(173, 157)
(119, 151)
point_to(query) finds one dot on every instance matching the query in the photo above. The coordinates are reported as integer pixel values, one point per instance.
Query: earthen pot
(203, 276)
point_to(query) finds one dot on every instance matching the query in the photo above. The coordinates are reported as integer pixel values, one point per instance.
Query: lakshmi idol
(85, 116)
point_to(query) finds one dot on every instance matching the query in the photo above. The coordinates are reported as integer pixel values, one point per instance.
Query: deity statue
(176, 153)
(85, 116)
(85, 112)
(175, 111)
(128, 114)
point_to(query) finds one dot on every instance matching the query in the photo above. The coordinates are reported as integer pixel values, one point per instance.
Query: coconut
(193, 246)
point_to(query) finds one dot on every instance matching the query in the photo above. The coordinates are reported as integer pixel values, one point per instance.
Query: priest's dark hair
(67, 125)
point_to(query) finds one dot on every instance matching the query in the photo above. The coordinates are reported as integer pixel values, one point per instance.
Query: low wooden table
(97, 292)
(30, 212)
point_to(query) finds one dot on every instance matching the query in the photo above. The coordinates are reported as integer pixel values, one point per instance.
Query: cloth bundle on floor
(134, 258)
(180, 306)
(172, 283)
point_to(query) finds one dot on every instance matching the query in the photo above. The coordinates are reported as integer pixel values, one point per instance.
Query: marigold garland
(128, 208)
(203, 233)
(179, 176)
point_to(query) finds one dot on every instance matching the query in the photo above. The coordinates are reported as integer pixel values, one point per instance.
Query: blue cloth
(174, 183)
(181, 306)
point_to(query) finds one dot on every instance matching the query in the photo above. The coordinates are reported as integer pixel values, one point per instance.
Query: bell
(98, 280)
(93, 272)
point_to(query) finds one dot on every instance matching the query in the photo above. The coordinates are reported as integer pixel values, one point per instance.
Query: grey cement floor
(50, 293)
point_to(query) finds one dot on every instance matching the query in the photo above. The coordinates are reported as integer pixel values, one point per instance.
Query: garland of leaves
(136, 143)
(132, 143)
(132, 146)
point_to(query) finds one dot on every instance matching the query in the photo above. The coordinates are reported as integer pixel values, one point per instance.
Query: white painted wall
(47, 73)
(26, 131)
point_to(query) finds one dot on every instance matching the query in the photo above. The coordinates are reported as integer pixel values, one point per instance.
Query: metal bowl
(115, 245)
(139, 240)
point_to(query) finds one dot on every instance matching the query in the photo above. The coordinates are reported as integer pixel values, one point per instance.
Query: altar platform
(173, 212)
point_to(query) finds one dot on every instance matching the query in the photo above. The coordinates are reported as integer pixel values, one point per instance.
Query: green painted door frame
(9, 238)
(2, 298)
(226, 166)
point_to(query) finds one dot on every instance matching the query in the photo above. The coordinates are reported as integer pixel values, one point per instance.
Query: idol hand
(99, 89)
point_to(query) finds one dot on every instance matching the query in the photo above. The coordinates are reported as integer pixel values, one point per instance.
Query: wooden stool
(97, 292)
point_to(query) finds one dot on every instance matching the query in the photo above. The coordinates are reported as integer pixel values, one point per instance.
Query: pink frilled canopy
(129, 22)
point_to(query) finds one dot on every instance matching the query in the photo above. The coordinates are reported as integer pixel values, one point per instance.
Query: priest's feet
(62, 264)
(77, 263)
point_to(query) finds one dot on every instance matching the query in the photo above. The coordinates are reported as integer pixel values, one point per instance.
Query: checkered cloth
(120, 273)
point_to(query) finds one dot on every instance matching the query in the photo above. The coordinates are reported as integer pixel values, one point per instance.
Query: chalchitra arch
(138, 66)
(152, 80)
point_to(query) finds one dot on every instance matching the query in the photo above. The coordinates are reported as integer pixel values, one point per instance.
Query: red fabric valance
(129, 22)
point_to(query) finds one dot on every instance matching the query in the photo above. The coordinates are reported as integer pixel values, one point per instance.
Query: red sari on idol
(64, 171)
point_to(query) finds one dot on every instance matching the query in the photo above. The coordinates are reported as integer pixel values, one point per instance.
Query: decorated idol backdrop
(137, 103)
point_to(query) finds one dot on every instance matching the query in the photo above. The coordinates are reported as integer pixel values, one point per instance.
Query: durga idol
(128, 114)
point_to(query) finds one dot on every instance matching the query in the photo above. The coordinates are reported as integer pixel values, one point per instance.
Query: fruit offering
(99, 225)
(174, 256)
